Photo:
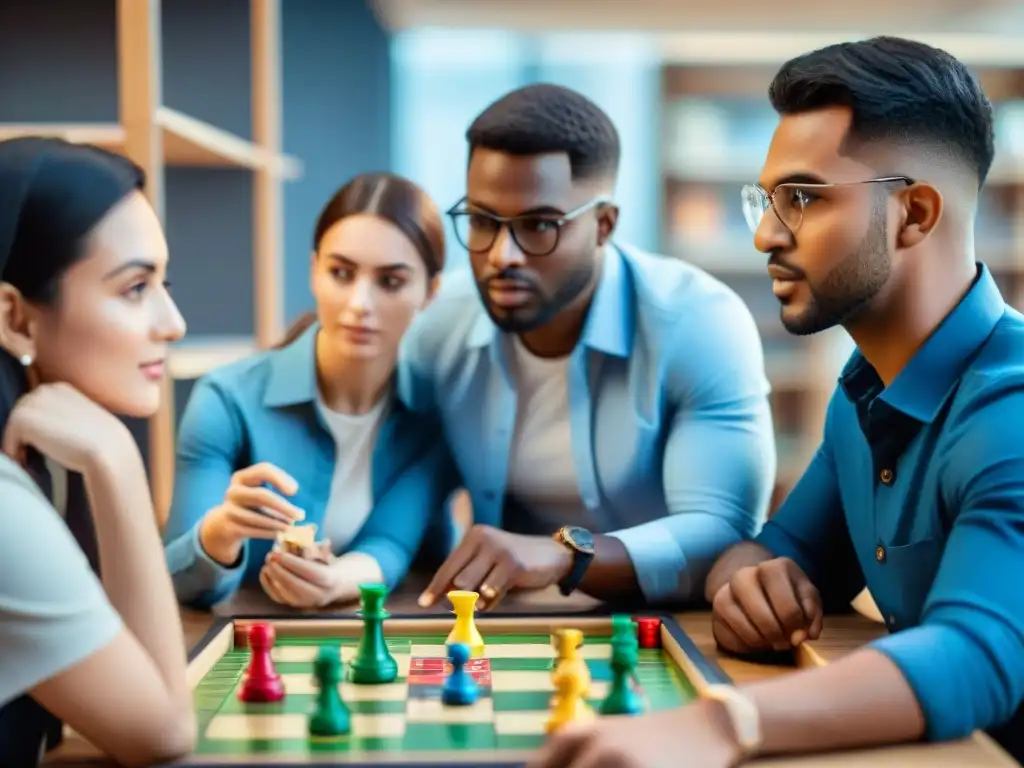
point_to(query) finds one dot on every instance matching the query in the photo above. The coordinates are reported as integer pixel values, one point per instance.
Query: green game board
(404, 722)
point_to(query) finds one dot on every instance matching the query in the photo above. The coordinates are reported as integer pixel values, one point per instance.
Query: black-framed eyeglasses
(535, 234)
(789, 200)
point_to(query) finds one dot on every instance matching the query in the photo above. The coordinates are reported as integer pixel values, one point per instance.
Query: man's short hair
(898, 90)
(543, 119)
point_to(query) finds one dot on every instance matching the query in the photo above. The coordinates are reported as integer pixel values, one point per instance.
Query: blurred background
(248, 114)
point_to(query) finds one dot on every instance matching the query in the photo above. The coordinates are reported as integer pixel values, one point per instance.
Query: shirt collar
(610, 320)
(293, 372)
(923, 386)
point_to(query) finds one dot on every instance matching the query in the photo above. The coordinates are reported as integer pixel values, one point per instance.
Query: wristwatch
(581, 542)
(743, 714)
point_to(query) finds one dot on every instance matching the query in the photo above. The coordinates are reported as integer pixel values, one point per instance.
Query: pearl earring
(26, 360)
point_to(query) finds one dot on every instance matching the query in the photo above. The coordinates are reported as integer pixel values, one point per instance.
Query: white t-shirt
(53, 610)
(351, 499)
(541, 472)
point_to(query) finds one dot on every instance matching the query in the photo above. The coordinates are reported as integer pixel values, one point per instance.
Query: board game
(404, 722)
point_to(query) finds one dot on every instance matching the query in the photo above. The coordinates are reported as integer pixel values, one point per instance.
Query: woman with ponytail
(312, 432)
(90, 634)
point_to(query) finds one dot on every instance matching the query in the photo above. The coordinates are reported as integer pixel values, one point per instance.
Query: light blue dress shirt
(917, 492)
(671, 425)
(263, 409)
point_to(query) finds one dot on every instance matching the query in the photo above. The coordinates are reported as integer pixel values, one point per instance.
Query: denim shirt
(917, 492)
(672, 438)
(263, 409)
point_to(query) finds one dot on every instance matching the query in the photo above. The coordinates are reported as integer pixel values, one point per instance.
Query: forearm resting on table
(134, 573)
(859, 701)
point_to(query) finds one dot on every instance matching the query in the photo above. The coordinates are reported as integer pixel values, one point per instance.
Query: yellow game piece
(465, 631)
(570, 705)
(567, 643)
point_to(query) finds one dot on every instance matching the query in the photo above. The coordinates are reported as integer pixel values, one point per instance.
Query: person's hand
(695, 735)
(300, 583)
(249, 511)
(65, 425)
(769, 606)
(491, 562)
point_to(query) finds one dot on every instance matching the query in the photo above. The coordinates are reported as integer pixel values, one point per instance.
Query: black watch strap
(581, 542)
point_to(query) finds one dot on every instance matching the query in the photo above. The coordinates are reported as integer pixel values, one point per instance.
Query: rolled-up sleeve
(965, 661)
(719, 460)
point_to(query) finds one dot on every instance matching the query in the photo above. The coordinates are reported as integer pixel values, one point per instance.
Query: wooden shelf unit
(156, 136)
(716, 126)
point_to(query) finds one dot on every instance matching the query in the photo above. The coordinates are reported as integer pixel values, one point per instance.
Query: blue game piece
(460, 689)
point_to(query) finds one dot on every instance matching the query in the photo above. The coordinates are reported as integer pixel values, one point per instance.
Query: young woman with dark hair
(86, 603)
(313, 432)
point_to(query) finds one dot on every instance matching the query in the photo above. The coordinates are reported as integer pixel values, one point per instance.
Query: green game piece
(624, 630)
(622, 698)
(373, 663)
(331, 716)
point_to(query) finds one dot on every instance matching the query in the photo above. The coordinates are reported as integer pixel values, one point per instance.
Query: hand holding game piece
(772, 605)
(300, 582)
(249, 511)
(491, 561)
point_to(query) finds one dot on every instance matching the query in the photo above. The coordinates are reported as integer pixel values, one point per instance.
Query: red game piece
(648, 631)
(261, 683)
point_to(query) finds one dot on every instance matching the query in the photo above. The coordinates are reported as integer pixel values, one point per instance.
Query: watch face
(580, 538)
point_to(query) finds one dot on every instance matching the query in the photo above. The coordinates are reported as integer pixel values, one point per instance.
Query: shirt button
(880, 553)
(490, 495)
(886, 476)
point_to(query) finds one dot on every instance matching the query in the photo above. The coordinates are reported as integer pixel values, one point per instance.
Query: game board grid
(510, 715)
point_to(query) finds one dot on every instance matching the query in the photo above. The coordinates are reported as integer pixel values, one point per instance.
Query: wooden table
(842, 634)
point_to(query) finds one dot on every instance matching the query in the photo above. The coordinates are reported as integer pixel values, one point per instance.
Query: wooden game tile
(293, 726)
(520, 723)
(535, 680)
(435, 711)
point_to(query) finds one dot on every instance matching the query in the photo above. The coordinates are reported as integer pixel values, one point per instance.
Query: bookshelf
(716, 124)
(158, 137)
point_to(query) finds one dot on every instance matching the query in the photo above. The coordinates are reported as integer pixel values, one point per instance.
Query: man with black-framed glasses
(607, 409)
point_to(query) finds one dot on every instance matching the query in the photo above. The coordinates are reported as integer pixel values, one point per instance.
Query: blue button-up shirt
(263, 409)
(917, 492)
(672, 438)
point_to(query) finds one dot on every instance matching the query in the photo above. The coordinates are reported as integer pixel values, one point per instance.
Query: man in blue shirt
(607, 409)
(866, 207)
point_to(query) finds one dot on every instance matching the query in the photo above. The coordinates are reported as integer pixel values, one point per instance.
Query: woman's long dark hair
(52, 194)
(394, 199)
